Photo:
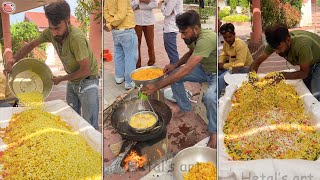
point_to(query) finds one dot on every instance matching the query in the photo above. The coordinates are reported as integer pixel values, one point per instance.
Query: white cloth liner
(59, 107)
(265, 168)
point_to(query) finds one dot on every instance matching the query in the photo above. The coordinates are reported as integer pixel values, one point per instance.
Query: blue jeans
(83, 97)
(4, 104)
(125, 53)
(222, 83)
(313, 81)
(209, 98)
(170, 44)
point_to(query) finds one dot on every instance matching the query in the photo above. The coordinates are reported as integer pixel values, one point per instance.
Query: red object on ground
(107, 56)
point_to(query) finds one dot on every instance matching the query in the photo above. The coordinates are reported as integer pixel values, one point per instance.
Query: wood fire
(133, 161)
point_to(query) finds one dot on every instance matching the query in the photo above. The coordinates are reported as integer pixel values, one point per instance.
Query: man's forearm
(24, 51)
(76, 75)
(295, 75)
(184, 59)
(174, 77)
(254, 66)
(256, 63)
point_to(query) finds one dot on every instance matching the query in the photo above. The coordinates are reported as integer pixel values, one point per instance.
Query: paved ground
(182, 132)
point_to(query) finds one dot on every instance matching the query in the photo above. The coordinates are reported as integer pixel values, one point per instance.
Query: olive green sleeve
(45, 36)
(204, 47)
(268, 50)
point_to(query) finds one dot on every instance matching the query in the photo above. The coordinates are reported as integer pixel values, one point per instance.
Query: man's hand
(256, 63)
(236, 69)
(220, 66)
(8, 67)
(149, 89)
(275, 77)
(57, 79)
(212, 141)
(105, 27)
(169, 68)
(172, 12)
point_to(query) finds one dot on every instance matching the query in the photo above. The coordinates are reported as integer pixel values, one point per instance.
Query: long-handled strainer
(140, 105)
(143, 111)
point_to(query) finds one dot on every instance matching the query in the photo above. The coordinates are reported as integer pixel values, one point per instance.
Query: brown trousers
(148, 32)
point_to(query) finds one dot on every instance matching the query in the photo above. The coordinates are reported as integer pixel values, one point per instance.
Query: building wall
(222, 3)
(306, 12)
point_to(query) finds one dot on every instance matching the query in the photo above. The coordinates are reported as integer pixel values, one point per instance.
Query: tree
(287, 12)
(25, 32)
(92, 7)
(82, 16)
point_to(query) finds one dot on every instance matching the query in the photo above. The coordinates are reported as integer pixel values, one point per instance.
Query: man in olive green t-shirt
(77, 58)
(298, 47)
(200, 65)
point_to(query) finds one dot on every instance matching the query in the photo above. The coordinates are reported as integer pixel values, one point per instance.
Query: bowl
(29, 75)
(144, 82)
(143, 130)
(188, 157)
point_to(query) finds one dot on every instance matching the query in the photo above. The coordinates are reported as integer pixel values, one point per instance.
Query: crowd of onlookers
(128, 20)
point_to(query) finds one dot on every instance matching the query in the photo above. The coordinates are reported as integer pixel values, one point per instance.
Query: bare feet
(181, 114)
(212, 141)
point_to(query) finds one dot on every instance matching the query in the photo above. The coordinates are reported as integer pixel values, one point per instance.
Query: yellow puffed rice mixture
(201, 171)
(268, 120)
(42, 146)
(142, 121)
(147, 74)
(31, 99)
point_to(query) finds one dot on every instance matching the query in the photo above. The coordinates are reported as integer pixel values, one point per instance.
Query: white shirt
(144, 15)
(171, 8)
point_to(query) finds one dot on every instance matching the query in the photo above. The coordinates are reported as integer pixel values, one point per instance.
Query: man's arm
(301, 74)
(82, 72)
(183, 71)
(223, 57)
(241, 52)
(181, 61)
(26, 50)
(80, 49)
(119, 17)
(184, 58)
(173, 77)
(305, 56)
(168, 8)
(106, 13)
(148, 4)
(20, 54)
(256, 63)
(135, 4)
